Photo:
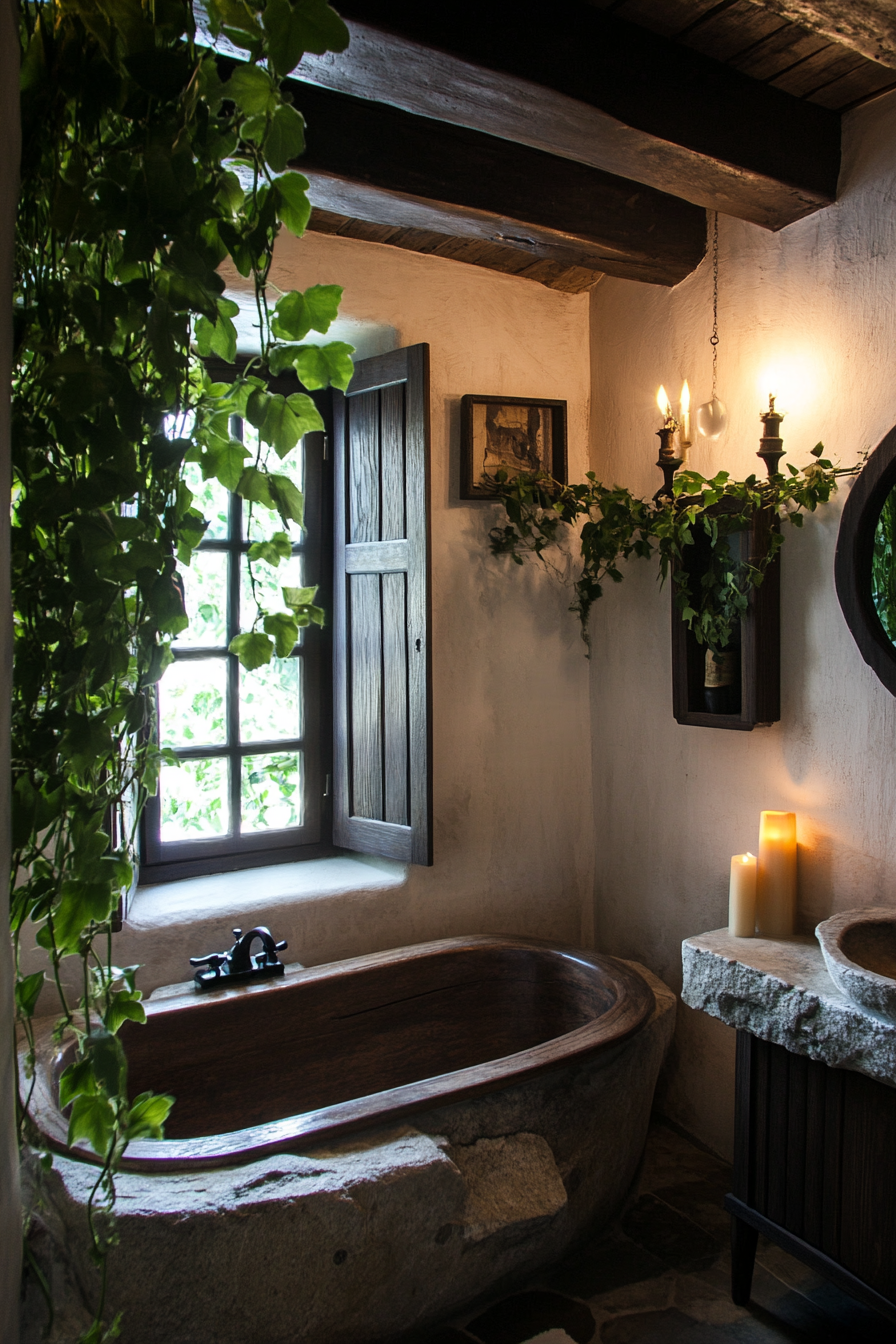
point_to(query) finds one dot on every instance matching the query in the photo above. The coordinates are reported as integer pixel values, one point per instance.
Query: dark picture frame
(514, 433)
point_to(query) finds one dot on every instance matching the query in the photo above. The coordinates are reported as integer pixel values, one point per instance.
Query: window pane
(268, 583)
(210, 498)
(194, 800)
(271, 701)
(271, 791)
(259, 522)
(205, 595)
(193, 703)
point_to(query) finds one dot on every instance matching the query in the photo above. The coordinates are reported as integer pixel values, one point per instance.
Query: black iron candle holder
(667, 461)
(771, 445)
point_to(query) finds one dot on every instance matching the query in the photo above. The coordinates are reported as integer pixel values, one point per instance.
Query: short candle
(742, 896)
(776, 875)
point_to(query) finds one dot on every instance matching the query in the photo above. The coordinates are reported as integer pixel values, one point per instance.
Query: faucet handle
(213, 960)
(281, 946)
(237, 933)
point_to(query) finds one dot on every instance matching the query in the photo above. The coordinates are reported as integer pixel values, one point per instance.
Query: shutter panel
(383, 743)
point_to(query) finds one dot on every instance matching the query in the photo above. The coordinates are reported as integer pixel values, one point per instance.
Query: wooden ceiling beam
(868, 26)
(576, 82)
(385, 166)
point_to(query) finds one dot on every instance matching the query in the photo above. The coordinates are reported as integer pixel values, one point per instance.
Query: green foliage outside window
(883, 567)
(148, 160)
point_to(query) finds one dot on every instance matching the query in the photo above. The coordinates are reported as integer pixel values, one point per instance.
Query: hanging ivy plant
(613, 524)
(148, 159)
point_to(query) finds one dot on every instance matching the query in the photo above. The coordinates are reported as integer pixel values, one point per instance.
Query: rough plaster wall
(813, 305)
(513, 843)
(10, 1218)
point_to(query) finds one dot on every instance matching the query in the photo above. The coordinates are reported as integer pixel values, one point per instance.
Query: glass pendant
(712, 418)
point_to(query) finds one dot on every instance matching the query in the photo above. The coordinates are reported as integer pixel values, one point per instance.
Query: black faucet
(239, 963)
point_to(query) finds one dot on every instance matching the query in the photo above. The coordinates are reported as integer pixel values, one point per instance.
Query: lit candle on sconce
(668, 460)
(776, 875)
(742, 896)
(771, 445)
(684, 420)
(665, 409)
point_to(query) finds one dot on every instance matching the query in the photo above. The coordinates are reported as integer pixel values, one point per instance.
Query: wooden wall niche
(760, 636)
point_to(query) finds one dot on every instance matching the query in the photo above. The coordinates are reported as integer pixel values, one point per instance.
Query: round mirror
(865, 563)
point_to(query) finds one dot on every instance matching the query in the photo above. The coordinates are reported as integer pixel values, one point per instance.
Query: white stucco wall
(512, 762)
(814, 305)
(10, 1216)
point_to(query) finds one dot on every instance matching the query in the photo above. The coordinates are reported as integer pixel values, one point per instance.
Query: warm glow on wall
(793, 380)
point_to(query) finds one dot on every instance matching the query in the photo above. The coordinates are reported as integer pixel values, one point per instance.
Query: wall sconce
(674, 439)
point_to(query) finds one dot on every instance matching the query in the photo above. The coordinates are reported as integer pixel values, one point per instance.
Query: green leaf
(324, 30)
(298, 597)
(75, 1081)
(106, 1054)
(92, 1119)
(285, 139)
(293, 205)
(225, 461)
(81, 904)
(147, 1116)
(298, 313)
(27, 992)
(284, 630)
(287, 499)
(254, 485)
(216, 338)
(320, 365)
(322, 305)
(273, 550)
(283, 24)
(253, 650)
(251, 89)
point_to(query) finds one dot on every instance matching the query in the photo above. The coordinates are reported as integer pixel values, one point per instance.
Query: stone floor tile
(702, 1201)
(671, 1160)
(517, 1319)
(669, 1235)
(602, 1265)
(808, 1309)
(706, 1302)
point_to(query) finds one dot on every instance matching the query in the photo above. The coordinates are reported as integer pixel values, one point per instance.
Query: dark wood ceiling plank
(568, 279)
(667, 17)
(818, 71)
(856, 86)
(868, 26)
(733, 31)
(374, 162)
(592, 88)
(780, 51)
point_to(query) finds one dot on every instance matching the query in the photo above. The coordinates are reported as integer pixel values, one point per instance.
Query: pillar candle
(776, 875)
(742, 896)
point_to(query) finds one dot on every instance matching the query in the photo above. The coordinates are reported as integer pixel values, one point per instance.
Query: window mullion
(233, 668)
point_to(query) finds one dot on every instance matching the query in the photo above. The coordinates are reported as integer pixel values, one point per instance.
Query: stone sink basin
(859, 950)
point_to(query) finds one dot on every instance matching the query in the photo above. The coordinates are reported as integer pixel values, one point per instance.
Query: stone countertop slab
(779, 989)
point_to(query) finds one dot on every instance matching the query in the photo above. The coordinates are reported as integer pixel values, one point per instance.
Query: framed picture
(514, 433)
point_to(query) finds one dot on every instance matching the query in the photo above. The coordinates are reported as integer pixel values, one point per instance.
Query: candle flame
(747, 858)
(664, 403)
(685, 397)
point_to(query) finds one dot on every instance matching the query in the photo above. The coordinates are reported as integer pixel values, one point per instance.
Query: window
(256, 749)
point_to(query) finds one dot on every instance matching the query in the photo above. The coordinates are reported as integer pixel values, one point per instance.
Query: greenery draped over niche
(612, 524)
(148, 160)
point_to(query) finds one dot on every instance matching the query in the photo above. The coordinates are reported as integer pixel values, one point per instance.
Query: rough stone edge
(775, 1010)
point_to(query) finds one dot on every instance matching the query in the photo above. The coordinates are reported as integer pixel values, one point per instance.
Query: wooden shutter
(383, 744)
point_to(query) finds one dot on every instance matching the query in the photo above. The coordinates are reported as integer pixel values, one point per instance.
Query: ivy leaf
(253, 650)
(320, 365)
(287, 499)
(251, 89)
(298, 597)
(293, 205)
(273, 550)
(28, 990)
(224, 461)
(92, 1119)
(147, 1115)
(817, 450)
(298, 313)
(254, 485)
(284, 630)
(81, 904)
(284, 26)
(285, 139)
(216, 338)
(76, 1081)
(107, 1058)
(324, 30)
(125, 1007)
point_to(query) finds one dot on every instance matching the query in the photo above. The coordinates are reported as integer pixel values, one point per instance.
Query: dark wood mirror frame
(852, 563)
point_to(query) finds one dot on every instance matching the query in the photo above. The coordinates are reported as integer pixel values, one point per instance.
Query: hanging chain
(714, 338)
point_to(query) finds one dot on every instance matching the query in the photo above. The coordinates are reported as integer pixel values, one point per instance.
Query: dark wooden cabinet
(815, 1171)
(760, 643)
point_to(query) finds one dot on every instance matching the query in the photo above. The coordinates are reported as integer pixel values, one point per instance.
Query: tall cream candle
(776, 875)
(742, 896)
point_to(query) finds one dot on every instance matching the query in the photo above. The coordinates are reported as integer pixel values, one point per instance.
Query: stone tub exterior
(372, 1234)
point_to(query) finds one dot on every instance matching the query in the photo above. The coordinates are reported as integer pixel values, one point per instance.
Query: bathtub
(362, 1147)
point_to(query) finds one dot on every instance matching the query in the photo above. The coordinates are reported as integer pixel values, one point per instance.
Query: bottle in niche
(721, 681)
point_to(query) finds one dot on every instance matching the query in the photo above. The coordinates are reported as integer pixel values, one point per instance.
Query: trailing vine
(148, 160)
(614, 524)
